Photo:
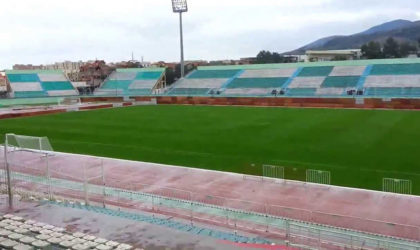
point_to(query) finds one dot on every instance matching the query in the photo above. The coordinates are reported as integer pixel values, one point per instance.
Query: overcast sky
(46, 31)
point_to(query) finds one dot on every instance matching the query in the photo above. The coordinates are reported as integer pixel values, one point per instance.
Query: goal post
(24, 142)
(318, 176)
(399, 186)
(14, 143)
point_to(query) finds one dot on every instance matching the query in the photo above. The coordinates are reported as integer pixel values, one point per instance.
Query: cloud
(45, 31)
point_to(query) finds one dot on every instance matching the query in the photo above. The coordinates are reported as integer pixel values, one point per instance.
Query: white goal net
(25, 142)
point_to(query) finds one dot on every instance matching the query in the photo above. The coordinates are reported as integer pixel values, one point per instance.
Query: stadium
(308, 155)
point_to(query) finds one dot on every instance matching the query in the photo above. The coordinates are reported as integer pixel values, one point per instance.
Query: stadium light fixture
(180, 6)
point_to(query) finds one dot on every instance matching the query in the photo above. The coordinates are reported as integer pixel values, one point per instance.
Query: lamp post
(180, 6)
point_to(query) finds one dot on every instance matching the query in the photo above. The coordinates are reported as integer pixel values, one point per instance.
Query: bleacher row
(383, 80)
(20, 234)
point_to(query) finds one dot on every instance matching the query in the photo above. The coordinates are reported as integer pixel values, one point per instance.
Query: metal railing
(287, 223)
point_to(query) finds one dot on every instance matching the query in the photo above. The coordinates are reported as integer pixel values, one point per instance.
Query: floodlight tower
(180, 6)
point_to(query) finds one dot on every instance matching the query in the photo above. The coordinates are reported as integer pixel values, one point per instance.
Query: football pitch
(358, 147)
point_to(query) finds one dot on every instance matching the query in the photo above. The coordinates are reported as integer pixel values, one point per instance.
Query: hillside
(402, 30)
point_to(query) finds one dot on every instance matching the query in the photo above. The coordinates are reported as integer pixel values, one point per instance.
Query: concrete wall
(368, 103)
(372, 103)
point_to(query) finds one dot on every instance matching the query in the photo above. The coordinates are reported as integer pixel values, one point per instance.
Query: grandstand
(370, 78)
(133, 82)
(385, 78)
(39, 83)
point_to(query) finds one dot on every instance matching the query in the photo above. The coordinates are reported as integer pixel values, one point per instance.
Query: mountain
(401, 30)
(396, 24)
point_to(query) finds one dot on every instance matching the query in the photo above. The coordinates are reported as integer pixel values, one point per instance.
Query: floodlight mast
(180, 6)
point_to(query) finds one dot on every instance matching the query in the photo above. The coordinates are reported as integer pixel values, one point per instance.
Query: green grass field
(359, 147)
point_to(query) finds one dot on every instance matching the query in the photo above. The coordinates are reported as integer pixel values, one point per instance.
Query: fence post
(103, 184)
(192, 207)
(287, 230)
(267, 217)
(191, 213)
(9, 181)
(85, 185)
(319, 239)
(50, 194)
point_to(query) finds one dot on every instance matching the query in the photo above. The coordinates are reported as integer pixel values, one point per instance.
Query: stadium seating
(19, 233)
(232, 82)
(197, 86)
(381, 78)
(327, 81)
(329, 91)
(266, 73)
(257, 83)
(39, 83)
(403, 82)
(190, 91)
(396, 69)
(307, 82)
(348, 71)
(393, 92)
(340, 82)
(135, 81)
(199, 74)
(301, 92)
(316, 71)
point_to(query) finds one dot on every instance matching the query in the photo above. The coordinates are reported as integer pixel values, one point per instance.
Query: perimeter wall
(362, 103)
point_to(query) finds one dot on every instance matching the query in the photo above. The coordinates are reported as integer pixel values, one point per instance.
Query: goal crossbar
(30, 143)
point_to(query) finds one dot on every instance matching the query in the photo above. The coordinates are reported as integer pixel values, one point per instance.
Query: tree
(268, 57)
(264, 57)
(407, 49)
(391, 48)
(277, 58)
(372, 50)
